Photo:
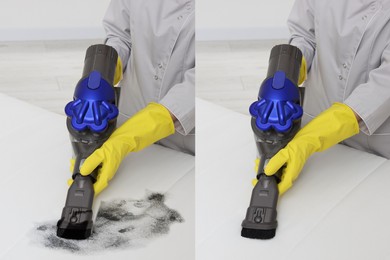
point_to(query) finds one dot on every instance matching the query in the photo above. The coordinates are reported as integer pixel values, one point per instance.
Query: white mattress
(337, 209)
(35, 152)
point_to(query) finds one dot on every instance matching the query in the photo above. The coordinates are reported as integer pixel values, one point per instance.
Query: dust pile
(120, 224)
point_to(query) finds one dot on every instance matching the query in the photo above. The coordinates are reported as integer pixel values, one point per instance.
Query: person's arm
(174, 112)
(371, 100)
(153, 123)
(366, 108)
(180, 99)
(116, 23)
(358, 118)
(301, 26)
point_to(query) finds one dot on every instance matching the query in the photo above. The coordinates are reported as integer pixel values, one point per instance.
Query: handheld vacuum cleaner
(91, 119)
(276, 118)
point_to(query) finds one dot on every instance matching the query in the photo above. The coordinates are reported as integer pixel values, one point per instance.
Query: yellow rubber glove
(257, 163)
(71, 168)
(118, 72)
(149, 125)
(302, 71)
(332, 126)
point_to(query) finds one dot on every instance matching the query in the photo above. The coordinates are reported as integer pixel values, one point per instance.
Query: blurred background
(234, 39)
(42, 47)
(43, 43)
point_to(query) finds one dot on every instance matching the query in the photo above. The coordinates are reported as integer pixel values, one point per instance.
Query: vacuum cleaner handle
(102, 58)
(286, 58)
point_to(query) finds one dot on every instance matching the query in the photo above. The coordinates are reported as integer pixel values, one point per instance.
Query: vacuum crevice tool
(276, 118)
(260, 221)
(76, 220)
(91, 119)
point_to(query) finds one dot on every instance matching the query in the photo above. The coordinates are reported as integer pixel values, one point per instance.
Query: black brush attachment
(260, 221)
(78, 231)
(258, 233)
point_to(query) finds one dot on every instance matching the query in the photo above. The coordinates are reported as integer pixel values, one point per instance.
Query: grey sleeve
(180, 101)
(116, 23)
(301, 26)
(371, 100)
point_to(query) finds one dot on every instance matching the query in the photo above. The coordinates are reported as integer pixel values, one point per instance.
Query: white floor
(45, 73)
(42, 73)
(230, 73)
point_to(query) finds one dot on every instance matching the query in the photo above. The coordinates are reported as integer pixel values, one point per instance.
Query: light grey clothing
(347, 47)
(156, 43)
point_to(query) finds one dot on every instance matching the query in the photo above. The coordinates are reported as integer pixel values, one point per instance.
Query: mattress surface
(35, 151)
(337, 209)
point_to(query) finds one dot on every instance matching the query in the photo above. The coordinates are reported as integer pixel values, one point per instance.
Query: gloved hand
(149, 125)
(332, 126)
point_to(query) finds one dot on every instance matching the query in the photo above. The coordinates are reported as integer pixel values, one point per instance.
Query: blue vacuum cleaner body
(278, 106)
(276, 118)
(91, 119)
(93, 107)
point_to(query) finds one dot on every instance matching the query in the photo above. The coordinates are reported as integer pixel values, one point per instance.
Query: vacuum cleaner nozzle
(74, 229)
(276, 118)
(260, 221)
(76, 219)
